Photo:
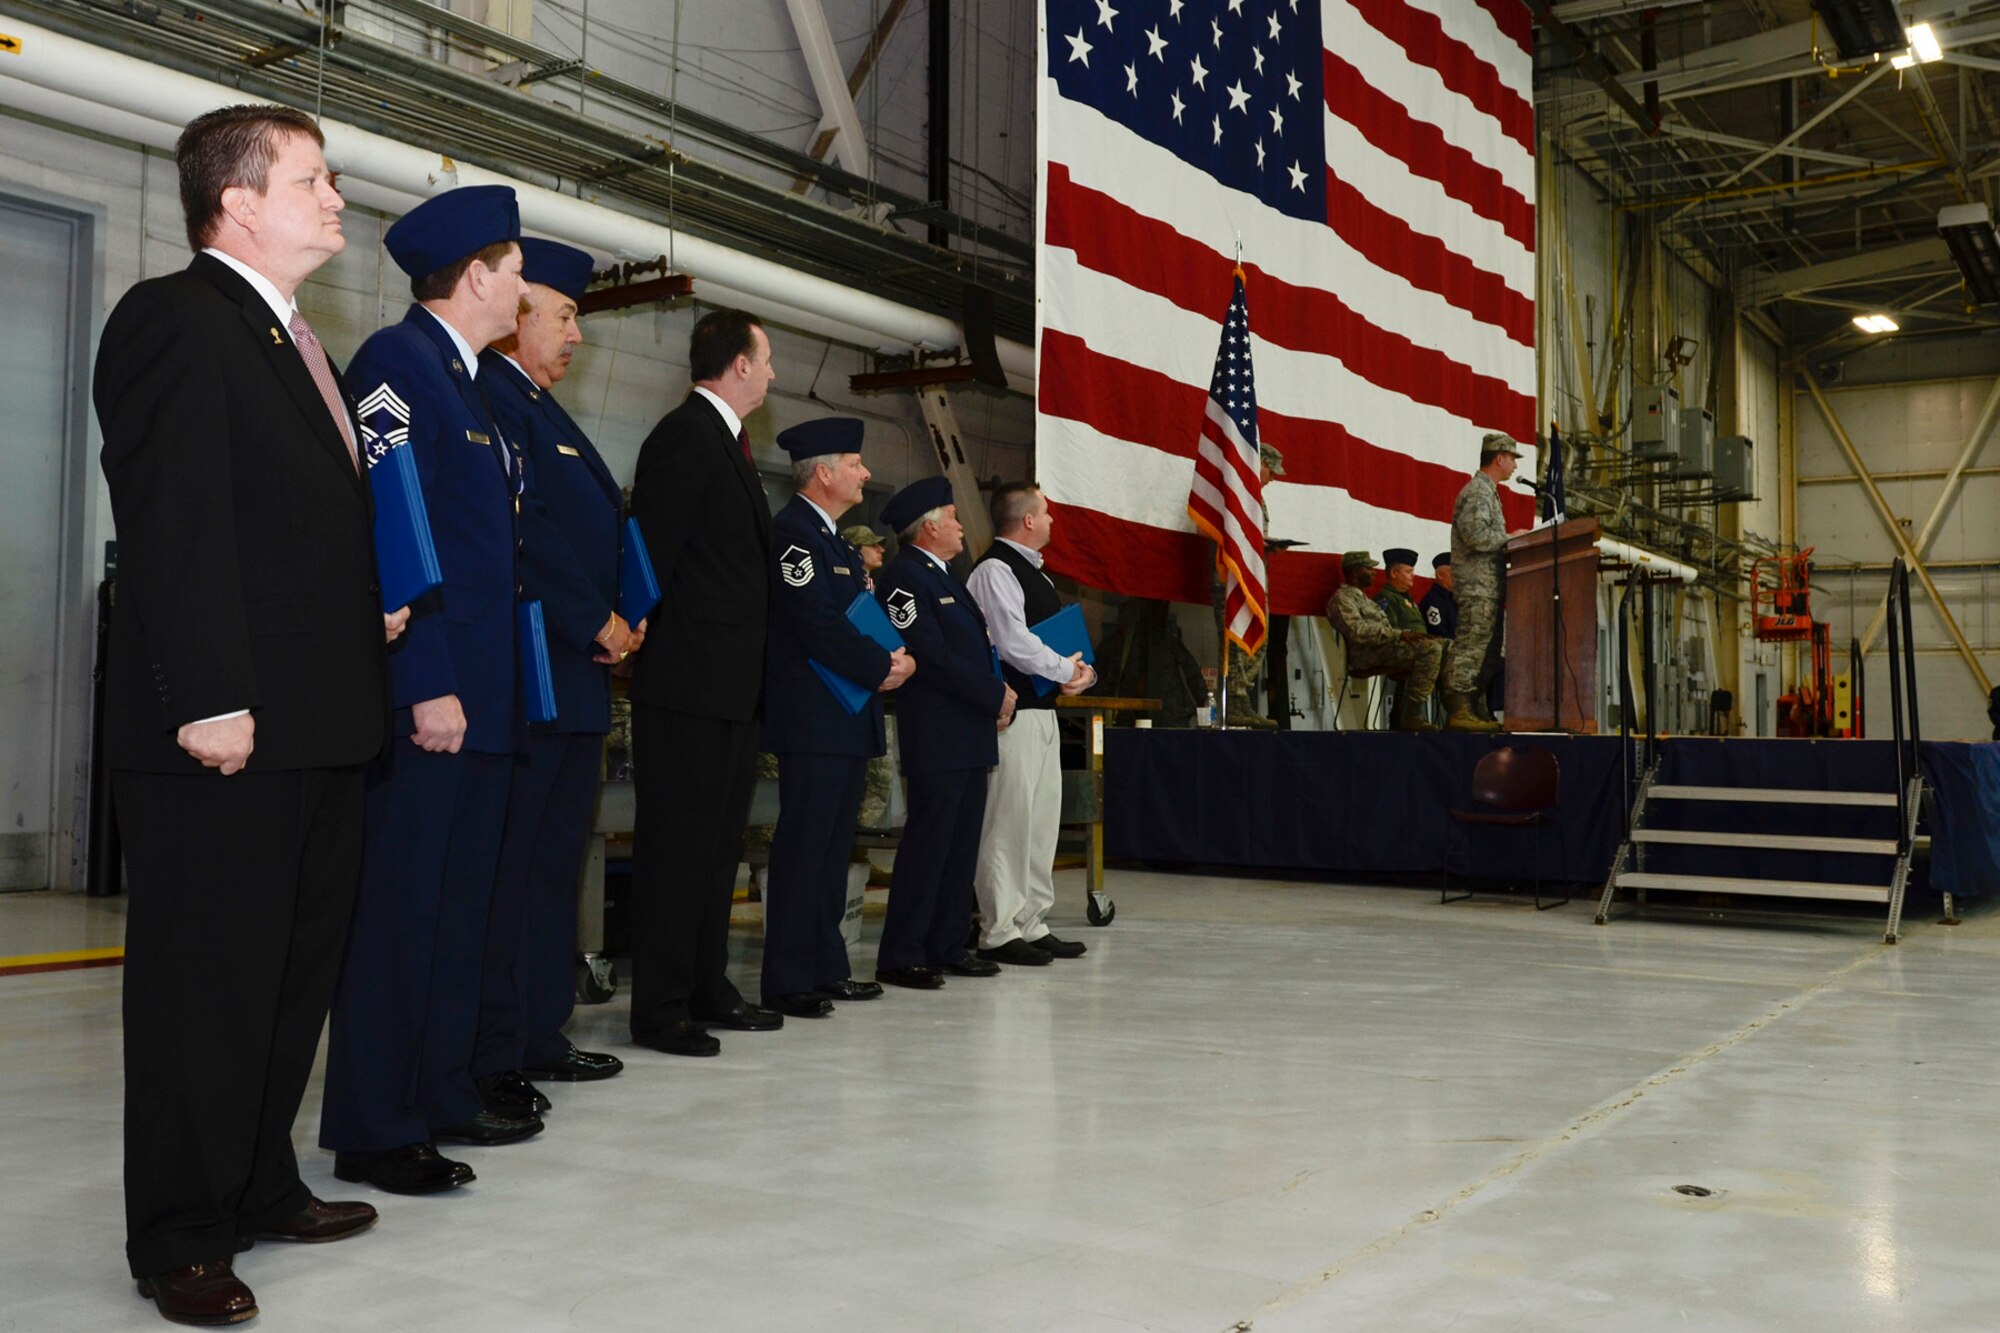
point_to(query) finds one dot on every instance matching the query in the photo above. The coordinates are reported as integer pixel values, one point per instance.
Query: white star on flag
(1105, 13)
(1239, 100)
(1079, 49)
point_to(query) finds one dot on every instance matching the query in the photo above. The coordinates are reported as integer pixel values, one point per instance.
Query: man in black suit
(245, 690)
(698, 692)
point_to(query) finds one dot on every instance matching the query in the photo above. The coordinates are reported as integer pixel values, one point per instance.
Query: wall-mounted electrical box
(1697, 444)
(1656, 424)
(1735, 469)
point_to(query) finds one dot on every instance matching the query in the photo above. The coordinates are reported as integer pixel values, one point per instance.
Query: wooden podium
(1539, 564)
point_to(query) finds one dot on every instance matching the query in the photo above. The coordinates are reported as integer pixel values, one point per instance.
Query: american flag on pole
(1376, 159)
(1226, 500)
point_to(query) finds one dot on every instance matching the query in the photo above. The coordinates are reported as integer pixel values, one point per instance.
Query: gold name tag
(477, 438)
(566, 450)
(842, 569)
(947, 601)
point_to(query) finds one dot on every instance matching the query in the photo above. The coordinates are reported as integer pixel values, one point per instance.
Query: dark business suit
(246, 580)
(946, 718)
(695, 699)
(570, 518)
(406, 1012)
(822, 749)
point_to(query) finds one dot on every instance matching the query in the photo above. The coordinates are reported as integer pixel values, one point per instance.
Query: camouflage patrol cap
(1355, 558)
(1500, 442)
(862, 535)
(1272, 459)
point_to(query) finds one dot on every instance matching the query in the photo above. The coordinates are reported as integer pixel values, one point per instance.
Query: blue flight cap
(553, 264)
(447, 227)
(828, 435)
(915, 500)
(1400, 555)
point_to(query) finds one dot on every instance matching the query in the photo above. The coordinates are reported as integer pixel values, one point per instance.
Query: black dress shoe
(319, 1222)
(510, 1094)
(746, 1017)
(417, 1168)
(204, 1294)
(578, 1067)
(972, 965)
(912, 978)
(1018, 952)
(683, 1038)
(1056, 948)
(849, 989)
(803, 1004)
(487, 1130)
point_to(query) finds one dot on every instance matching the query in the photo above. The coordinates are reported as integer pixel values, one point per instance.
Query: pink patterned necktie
(315, 358)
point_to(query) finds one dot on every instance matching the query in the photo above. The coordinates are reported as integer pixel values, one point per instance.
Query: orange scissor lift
(1781, 612)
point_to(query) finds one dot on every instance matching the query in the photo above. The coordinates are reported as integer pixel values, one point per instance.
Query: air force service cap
(553, 264)
(1400, 555)
(915, 500)
(828, 435)
(447, 227)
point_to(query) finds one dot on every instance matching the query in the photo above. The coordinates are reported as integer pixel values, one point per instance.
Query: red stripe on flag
(1427, 262)
(1422, 34)
(1134, 403)
(1100, 551)
(1422, 147)
(1149, 254)
(1513, 20)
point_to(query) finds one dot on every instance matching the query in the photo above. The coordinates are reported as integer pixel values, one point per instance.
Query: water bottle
(1208, 710)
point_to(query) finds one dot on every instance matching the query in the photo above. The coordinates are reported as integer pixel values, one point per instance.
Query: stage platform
(1356, 805)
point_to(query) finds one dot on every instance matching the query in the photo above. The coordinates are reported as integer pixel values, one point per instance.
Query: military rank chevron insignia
(902, 608)
(795, 566)
(385, 423)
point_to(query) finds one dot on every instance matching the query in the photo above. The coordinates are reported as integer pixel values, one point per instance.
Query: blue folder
(406, 560)
(638, 587)
(1066, 633)
(866, 615)
(538, 682)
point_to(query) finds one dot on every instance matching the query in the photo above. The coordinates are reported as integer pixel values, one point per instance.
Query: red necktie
(315, 358)
(743, 438)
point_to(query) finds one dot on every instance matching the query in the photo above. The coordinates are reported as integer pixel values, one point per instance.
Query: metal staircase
(1629, 868)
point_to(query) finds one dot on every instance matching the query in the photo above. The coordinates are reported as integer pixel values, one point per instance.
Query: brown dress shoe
(319, 1222)
(203, 1294)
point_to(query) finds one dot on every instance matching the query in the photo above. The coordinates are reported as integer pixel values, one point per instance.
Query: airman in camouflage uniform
(1478, 536)
(1377, 648)
(1244, 668)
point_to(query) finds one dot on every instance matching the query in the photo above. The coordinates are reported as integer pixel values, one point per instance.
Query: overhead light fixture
(1680, 350)
(1862, 28)
(1924, 43)
(1975, 247)
(1903, 61)
(1875, 324)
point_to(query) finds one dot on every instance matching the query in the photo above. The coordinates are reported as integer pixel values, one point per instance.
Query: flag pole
(1221, 720)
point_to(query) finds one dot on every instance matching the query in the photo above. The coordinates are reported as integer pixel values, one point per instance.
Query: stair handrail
(1898, 605)
(1622, 620)
(1646, 671)
(1910, 668)
(1857, 692)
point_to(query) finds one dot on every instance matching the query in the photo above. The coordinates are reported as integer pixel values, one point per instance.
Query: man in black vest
(947, 719)
(1015, 880)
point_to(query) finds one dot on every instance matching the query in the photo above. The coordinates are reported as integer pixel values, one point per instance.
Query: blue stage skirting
(1377, 803)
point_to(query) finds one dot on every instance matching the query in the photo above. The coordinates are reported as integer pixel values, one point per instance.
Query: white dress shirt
(730, 421)
(283, 311)
(1005, 607)
(465, 352)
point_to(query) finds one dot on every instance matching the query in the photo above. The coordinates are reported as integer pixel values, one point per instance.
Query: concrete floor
(1254, 1105)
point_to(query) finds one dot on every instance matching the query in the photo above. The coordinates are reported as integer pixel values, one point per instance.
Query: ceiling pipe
(76, 83)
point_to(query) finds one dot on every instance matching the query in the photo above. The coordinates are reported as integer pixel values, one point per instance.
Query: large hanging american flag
(1375, 158)
(1226, 501)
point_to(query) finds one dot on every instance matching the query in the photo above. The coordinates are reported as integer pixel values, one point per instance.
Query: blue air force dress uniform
(945, 730)
(822, 750)
(571, 509)
(407, 1009)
